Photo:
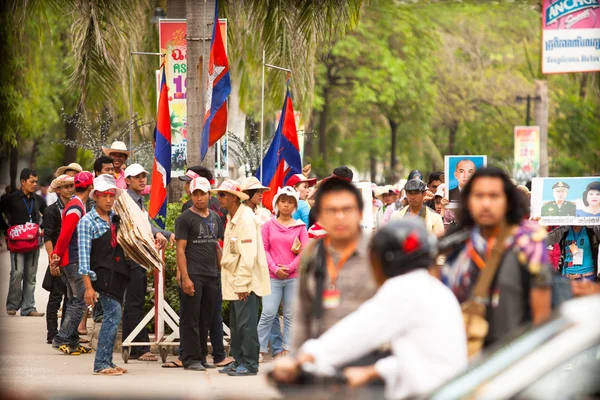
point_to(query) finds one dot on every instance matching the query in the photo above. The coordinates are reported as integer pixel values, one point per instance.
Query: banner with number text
(173, 43)
(527, 153)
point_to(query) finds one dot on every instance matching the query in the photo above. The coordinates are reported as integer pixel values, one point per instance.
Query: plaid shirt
(89, 228)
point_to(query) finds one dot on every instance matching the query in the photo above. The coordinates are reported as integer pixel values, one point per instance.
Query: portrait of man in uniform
(560, 207)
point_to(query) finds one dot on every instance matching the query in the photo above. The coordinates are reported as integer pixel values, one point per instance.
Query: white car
(559, 359)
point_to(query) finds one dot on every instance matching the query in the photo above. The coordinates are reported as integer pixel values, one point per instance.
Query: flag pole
(262, 117)
(262, 109)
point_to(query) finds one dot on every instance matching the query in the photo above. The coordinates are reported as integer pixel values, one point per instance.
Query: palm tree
(289, 32)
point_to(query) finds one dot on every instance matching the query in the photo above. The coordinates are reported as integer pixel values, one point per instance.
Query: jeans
(275, 339)
(108, 333)
(196, 314)
(21, 289)
(75, 307)
(281, 289)
(133, 311)
(216, 328)
(58, 291)
(244, 336)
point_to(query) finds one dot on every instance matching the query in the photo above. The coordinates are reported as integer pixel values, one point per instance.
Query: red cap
(298, 178)
(84, 179)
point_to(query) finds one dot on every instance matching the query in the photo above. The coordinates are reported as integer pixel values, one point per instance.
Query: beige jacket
(244, 263)
(433, 220)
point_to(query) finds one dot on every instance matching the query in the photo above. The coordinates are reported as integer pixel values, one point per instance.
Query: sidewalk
(29, 366)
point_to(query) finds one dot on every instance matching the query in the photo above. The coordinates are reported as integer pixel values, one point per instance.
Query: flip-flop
(147, 357)
(172, 364)
(82, 333)
(83, 340)
(109, 372)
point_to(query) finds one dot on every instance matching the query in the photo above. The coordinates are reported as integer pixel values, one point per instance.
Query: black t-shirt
(202, 235)
(213, 204)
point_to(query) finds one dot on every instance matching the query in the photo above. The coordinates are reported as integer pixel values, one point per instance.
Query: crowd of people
(371, 304)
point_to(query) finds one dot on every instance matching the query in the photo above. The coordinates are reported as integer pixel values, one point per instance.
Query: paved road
(28, 366)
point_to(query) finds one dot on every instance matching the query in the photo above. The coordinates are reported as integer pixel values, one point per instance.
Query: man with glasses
(334, 272)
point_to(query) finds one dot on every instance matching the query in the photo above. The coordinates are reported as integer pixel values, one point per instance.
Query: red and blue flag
(217, 90)
(161, 169)
(283, 157)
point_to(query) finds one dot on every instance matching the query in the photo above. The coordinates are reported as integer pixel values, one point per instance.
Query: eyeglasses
(221, 194)
(345, 211)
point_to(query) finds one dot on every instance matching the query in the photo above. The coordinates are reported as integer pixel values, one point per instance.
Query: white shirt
(422, 320)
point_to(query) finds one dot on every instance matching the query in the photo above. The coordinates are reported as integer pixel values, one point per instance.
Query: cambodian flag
(161, 170)
(217, 90)
(283, 157)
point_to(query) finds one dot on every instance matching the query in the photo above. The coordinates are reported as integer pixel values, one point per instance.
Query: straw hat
(62, 180)
(231, 187)
(116, 147)
(252, 183)
(71, 167)
(103, 183)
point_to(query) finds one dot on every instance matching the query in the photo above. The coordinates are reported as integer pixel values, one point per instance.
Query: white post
(262, 117)
(130, 96)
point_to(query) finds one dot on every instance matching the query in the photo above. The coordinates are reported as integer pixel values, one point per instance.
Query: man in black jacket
(19, 208)
(64, 187)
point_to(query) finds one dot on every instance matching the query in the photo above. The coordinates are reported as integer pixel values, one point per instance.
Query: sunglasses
(221, 194)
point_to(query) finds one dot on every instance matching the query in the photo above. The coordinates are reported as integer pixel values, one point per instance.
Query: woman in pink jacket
(283, 238)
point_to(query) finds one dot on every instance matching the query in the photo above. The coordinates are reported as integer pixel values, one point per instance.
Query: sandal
(149, 356)
(122, 370)
(109, 372)
(173, 364)
(82, 333)
(83, 340)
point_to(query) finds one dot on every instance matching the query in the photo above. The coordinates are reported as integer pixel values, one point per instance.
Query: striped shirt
(89, 228)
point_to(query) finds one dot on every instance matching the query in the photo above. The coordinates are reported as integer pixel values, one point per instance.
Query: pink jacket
(278, 241)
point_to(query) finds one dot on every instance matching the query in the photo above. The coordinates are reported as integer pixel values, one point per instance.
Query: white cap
(200, 183)
(104, 183)
(134, 170)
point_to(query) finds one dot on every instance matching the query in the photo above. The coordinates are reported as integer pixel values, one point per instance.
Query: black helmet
(404, 245)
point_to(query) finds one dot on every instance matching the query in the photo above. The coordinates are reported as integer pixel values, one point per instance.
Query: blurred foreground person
(400, 253)
(500, 273)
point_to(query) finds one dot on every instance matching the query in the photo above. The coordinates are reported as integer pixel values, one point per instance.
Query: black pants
(215, 328)
(58, 292)
(196, 314)
(133, 311)
(243, 322)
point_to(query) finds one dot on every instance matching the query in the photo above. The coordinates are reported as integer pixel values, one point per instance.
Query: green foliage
(447, 74)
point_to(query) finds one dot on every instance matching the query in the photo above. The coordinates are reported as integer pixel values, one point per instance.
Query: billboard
(570, 36)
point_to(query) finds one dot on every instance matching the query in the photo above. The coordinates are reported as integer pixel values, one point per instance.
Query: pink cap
(84, 179)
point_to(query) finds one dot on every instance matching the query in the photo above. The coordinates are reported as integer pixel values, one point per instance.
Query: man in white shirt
(426, 332)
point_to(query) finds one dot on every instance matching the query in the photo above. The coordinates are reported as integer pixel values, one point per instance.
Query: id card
(331, 299)
(233, 246)
(578, 257)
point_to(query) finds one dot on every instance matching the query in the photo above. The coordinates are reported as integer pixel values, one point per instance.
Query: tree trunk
(176, 9)
(541, 119)
(200, 17)
(394, 131)
(71, 134)
(323, 125)
(453, 128)
(583, 85)
(14, 165)
(373, 166)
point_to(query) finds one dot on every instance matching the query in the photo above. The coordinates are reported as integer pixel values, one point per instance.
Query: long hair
(516, 203)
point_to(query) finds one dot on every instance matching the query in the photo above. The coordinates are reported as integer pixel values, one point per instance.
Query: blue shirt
(89, 228)
(583, 242)
(302, 212)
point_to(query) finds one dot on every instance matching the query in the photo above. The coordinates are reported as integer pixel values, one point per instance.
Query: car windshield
(499, 357)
